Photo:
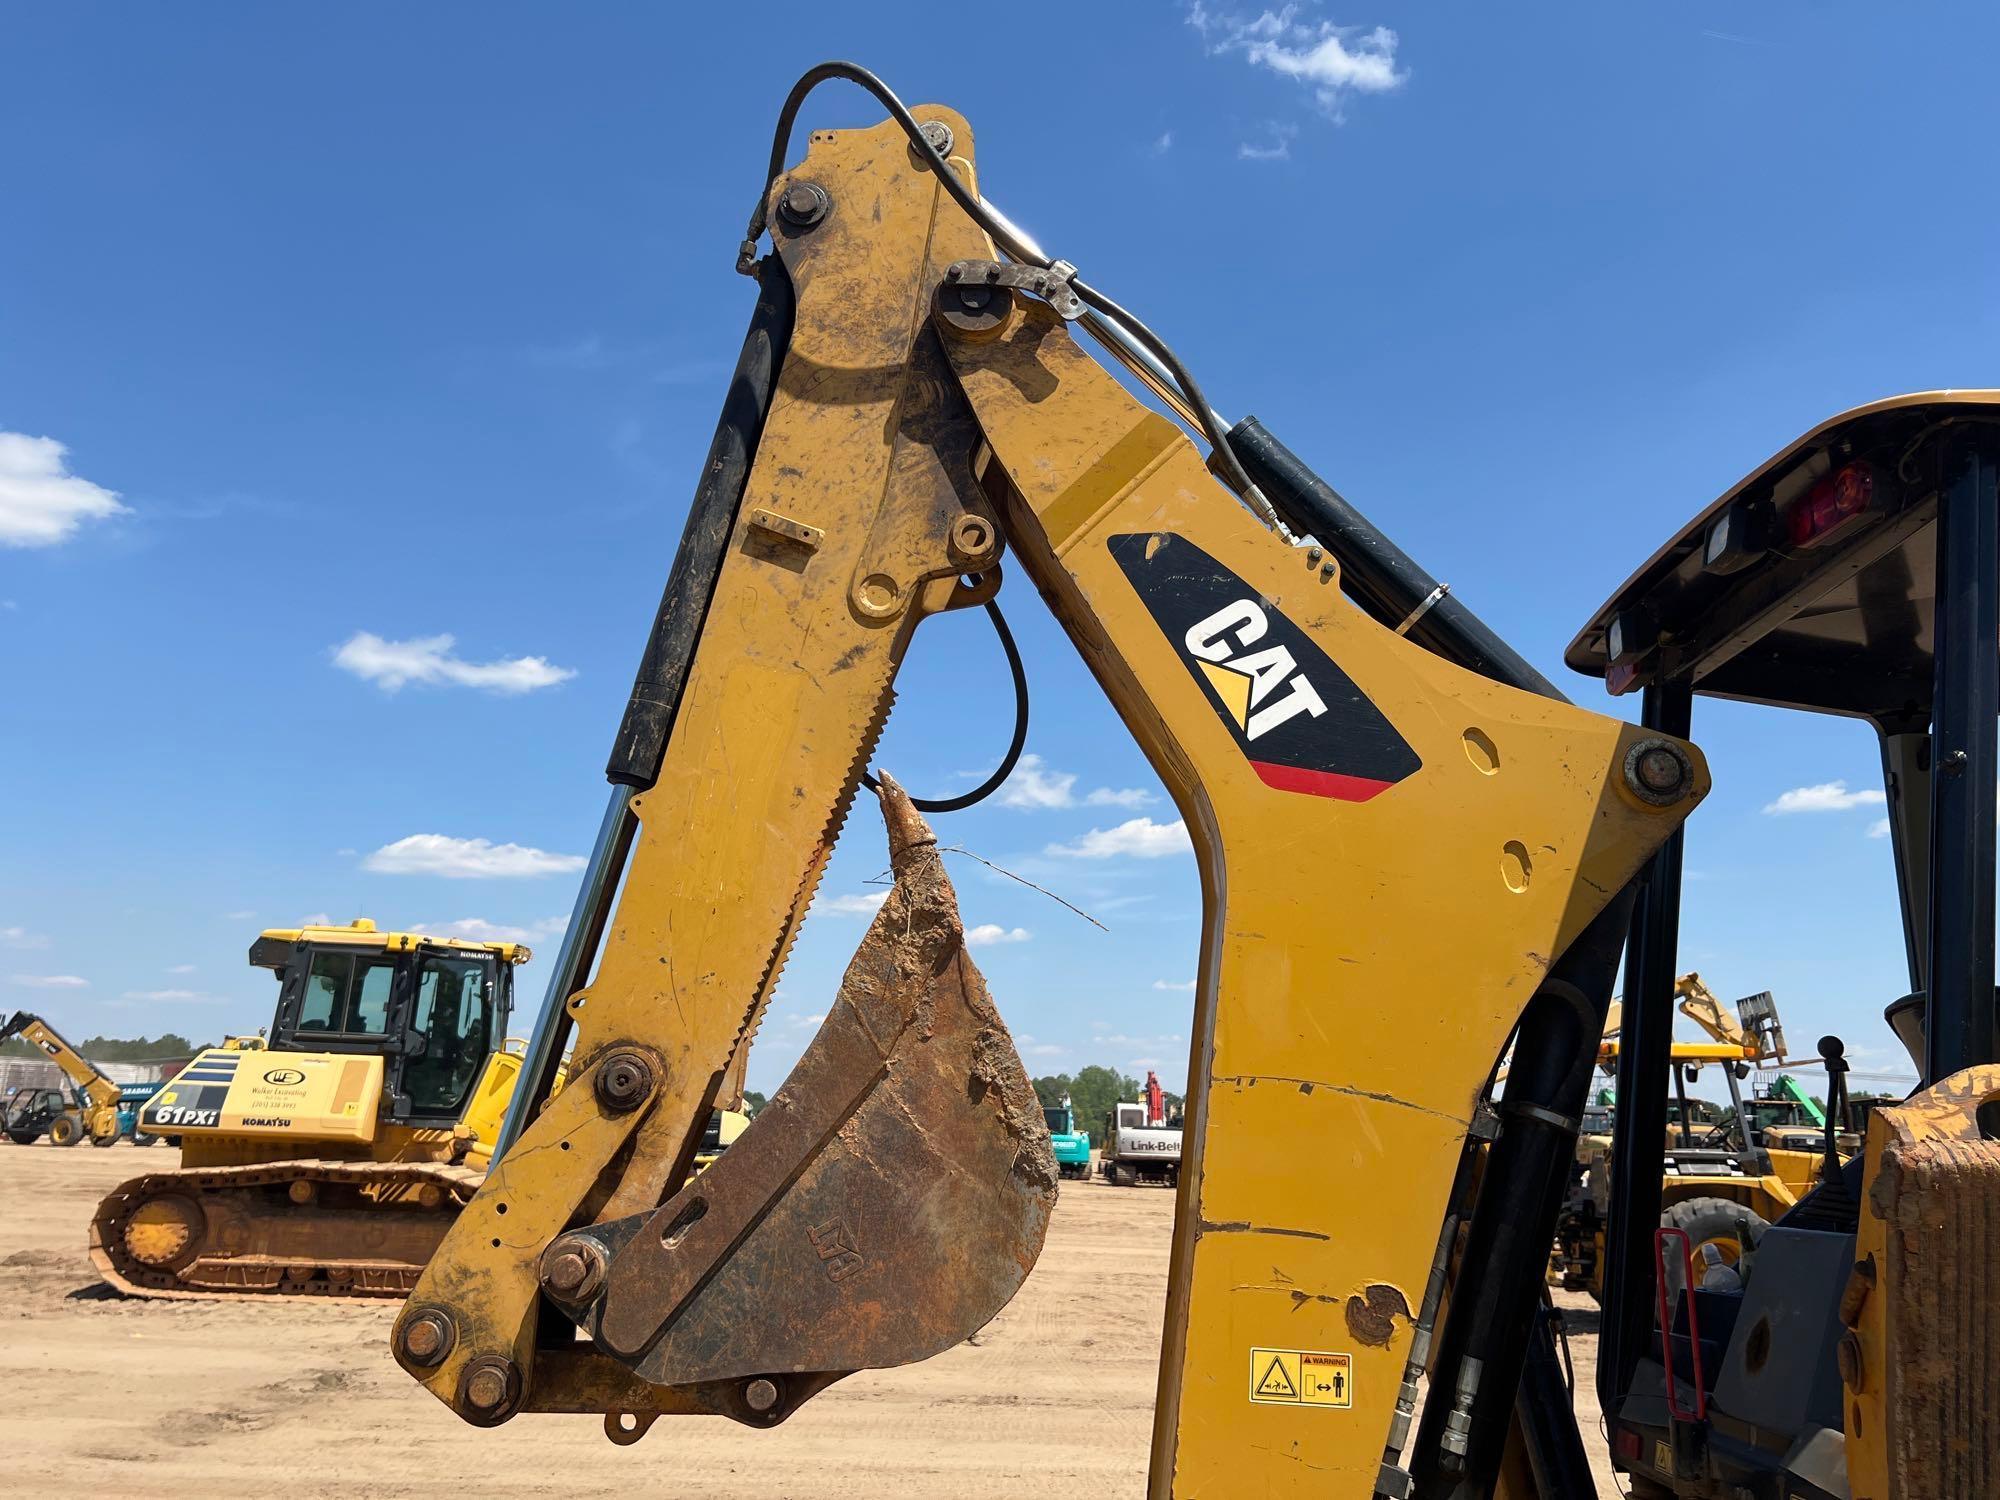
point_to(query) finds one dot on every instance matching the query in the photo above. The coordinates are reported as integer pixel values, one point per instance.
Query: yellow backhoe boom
(1380, 828)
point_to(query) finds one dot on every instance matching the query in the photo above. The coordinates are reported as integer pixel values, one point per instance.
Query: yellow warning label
(1301, 1377)
(1274, 1375)
(1326, 1379)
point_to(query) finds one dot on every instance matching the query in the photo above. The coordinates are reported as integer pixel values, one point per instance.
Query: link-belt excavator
(1363, 766)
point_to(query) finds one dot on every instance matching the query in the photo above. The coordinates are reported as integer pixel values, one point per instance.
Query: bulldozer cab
(432, 1009)
(1856, 573)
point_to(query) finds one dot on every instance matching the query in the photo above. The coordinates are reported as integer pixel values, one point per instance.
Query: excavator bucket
(884, 1205)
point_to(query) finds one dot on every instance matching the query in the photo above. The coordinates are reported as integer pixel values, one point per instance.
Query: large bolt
(573, 1269)
(427, 1339)
(803, 204)
(939, 135)
(624, 1081)
(489, 1389)
(1659, 771)
(760, 1395)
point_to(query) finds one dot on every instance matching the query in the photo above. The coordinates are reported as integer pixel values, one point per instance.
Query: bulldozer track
(385, 1187)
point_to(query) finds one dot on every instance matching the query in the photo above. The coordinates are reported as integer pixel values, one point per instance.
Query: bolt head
(939, 135)
(760, 1395)
(566, 1272)
(427, 1338)
(624, 1080)
(485, 1388)
(1660, 769)
(1658, 772)
(803, 204)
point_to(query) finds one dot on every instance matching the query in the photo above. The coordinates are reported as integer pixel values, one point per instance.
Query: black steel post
(1959, 1026)
(1483, 1349)
(1639, 1136)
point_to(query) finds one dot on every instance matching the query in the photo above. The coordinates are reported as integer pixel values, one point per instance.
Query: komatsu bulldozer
(329, 1159)
(1413, 852)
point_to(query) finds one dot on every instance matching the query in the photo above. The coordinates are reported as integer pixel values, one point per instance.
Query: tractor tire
(104, 1140)
(1708, 1221)
(144, 1138)
(64, 1131)
(23, 1137)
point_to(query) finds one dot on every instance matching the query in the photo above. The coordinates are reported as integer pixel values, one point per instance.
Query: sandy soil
(1054, 1398)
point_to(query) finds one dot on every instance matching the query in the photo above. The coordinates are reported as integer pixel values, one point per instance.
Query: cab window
(453, 1014)
(347, 993)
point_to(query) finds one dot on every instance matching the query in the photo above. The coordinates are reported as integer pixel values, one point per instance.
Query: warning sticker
(1301, 1377)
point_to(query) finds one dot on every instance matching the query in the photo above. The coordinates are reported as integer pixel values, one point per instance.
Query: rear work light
(1830, 507)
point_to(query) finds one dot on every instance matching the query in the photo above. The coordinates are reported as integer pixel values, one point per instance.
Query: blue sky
(358, 365)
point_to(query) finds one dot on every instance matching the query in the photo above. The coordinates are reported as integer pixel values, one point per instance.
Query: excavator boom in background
(1353, 753)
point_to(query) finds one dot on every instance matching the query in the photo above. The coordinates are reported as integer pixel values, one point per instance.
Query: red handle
(1699, 1411)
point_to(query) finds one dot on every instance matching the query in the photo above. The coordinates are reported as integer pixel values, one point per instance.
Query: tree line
(168, 1047)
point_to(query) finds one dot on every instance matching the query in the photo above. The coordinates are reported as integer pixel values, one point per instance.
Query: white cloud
(317, 919)
(238, 916)
(1277, 148)
(1034, 787)
(1828, 796)
(854, 906)
(1333, 61)
(1879, 829)
(986, 934)
(479, 930)
(20, 937)
(51, 982)
(1126, 796)
(1031, 786)
(392, 665)
(181, 969)
(1171, 984)
(467, 859)
(1145, 1062)
(41, 502)
(1046, 1049)
(1141, 838)
(1164, 143)
(163, 996)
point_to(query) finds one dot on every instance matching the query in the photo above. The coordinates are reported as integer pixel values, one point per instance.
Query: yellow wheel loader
(1413, 852)
(328, 1160)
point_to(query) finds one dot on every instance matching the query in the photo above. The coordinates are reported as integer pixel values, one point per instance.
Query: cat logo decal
(1299, 720)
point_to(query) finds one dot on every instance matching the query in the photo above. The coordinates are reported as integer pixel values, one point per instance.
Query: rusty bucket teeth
(884, 1205)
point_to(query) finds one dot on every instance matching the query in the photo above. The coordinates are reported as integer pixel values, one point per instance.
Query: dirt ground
(100, 1393)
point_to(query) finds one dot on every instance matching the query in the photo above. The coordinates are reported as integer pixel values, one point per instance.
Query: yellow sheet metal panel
(1920, 1362)
(303, 1096)
(1390, 858)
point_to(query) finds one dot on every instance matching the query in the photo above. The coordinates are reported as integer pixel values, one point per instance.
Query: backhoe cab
(1852, 574)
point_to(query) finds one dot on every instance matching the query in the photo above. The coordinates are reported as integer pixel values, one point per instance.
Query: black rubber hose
(1005, 769)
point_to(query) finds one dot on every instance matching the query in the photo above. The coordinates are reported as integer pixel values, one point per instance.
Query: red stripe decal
(1319, 783)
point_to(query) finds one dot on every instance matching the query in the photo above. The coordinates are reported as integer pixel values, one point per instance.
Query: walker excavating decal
(1299, 720)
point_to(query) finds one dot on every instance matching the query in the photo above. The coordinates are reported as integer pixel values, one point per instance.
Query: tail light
(1626, 1444)
(1831, 506)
